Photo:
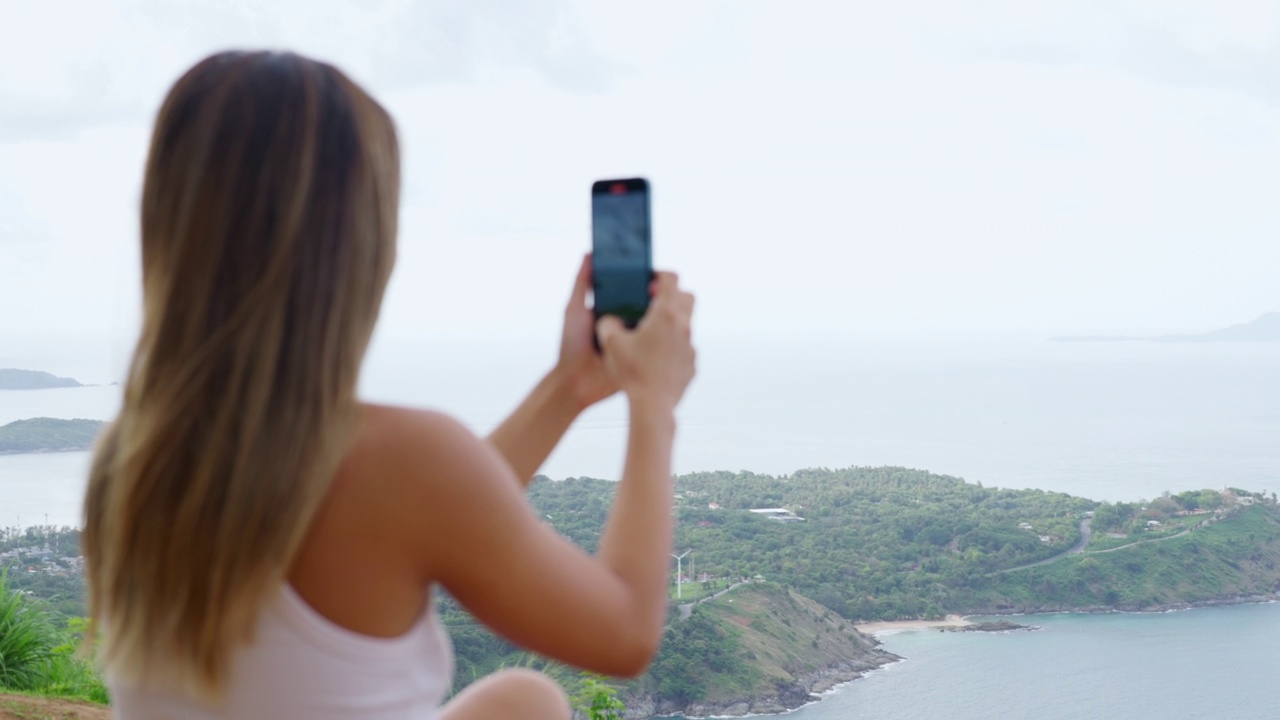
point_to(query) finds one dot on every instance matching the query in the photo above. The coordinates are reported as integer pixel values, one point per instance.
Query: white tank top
(301, 665)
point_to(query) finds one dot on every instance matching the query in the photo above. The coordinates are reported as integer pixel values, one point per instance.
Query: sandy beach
(892, 626)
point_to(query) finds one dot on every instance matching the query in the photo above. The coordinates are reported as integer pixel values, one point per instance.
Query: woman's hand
(654, 363)
(580, 364)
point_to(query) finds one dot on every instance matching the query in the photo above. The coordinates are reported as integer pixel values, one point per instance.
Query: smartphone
(621, 248)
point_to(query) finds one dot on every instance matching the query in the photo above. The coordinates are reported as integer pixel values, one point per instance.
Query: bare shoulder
(427, 469)
(416, 451)
(453, 505)
(389, 427)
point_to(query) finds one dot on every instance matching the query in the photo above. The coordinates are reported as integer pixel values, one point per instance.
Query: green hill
(42, 435)
(874, 543)
(1237, 557)
(758, 649)
(891, 543)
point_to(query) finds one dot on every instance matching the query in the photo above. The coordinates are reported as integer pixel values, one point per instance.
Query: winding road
(687, 609)
(1086, 532)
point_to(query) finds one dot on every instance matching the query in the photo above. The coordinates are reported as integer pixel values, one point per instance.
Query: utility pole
(680, 573)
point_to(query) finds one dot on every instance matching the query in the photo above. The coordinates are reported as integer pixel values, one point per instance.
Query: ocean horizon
(1109, 421)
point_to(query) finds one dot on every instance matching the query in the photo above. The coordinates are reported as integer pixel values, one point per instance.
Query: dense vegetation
(875, 543)
(48, 435)
(1236, 557)
(11, 379)
(44, 562)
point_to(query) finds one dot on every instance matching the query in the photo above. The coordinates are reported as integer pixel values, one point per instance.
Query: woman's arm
(474, 532)
(578, 381)
(530, 433)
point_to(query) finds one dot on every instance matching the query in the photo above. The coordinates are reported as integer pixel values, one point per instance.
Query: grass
(693, 591)
(39, 657)
(26, 644)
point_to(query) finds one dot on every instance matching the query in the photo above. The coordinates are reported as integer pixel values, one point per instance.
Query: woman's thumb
(608, 327)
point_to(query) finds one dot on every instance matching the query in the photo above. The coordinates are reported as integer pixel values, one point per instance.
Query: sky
(820, 170)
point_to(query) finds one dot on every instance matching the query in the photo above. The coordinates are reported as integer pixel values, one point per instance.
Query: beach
(886, 627)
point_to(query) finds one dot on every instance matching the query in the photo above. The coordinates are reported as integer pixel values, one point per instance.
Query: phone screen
(622, 263)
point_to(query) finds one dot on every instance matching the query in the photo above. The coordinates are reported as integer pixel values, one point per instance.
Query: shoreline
(820, 691)
(890, 627)
(1226, 601)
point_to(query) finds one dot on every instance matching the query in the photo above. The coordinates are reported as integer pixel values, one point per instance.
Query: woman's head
(270, 198)
(268, 235)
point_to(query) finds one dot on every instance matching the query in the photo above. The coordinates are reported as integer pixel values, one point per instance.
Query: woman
(259, 543)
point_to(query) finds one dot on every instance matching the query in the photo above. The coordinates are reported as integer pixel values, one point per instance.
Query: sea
(1202, 664)
(1109, 421)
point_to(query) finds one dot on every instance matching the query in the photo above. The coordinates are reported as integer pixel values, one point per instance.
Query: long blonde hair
(268, 235)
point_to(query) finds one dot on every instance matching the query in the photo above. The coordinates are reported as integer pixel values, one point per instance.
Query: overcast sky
(820, 169)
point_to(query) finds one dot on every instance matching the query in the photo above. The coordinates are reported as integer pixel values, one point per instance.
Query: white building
(779, 514)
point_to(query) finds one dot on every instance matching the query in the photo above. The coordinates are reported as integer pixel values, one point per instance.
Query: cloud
(1231, 45)
(819, 167)
(66, 66)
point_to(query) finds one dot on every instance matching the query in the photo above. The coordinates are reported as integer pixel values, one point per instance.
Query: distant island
(14, 379)
(1266, 328)
(46, 435)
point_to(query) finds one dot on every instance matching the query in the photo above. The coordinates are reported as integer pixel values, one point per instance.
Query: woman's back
(260, 544)
(301, 665)
(364, 642)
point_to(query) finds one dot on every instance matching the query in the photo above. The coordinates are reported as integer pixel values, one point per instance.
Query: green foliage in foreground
(24, 644)
(39, 656)
(48, 435)
(598, 701)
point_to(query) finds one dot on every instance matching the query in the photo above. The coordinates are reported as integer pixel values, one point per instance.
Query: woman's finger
(608, 327)
(666, 281)
(581, 284)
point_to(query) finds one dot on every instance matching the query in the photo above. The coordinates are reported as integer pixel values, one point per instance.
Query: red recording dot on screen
(618, 188)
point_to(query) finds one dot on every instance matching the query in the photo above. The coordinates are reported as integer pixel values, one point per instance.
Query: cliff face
(789, 648)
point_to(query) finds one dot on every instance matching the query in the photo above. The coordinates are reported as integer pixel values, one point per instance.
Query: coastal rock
(780, 698)
(829, 682)
(787, 697)
(708, 709)
(638, 708)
